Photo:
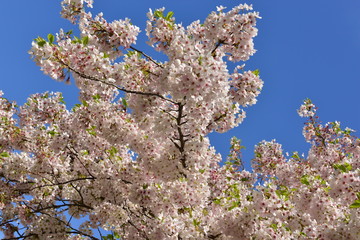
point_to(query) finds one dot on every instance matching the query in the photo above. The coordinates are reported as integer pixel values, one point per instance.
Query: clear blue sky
(306, 49)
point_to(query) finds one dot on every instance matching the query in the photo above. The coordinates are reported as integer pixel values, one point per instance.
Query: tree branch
(147, 57)
(114, 85)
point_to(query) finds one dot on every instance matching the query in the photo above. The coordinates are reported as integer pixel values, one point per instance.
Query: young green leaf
(4, 154)
(51, 38)
(52, 132)
(256, 72)
(124, 102)
(91, 130)
(169, 15)
(76, 40)
(85, 40)
(346, 167)
(40, 41)
(158, 14)
(355, 204)
(116, 235)
(304, 180)
(96, 97)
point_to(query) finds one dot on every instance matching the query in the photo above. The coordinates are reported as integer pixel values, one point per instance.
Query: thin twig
(146, 56)
(115, 86)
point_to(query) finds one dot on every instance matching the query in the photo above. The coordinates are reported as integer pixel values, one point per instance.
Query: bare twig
(117, 87)
(146, 56)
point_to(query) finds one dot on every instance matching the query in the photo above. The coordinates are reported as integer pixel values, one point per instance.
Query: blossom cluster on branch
(133, 159)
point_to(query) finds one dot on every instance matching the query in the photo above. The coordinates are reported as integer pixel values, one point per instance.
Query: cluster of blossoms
(307, 109)
(133, 159)
(71, 9)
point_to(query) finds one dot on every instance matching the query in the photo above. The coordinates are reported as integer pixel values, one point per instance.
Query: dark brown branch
(114, 85)
(168, 112)
(146, 56)
(317, 132)
(117, 170)
(74, 230)
(218, 44)
(39, 210)
(79, 192)
(214, 236)
(9, 221)
(63, 183)
(216, 119)
(74, 152)
(181, 137)
(21, 237)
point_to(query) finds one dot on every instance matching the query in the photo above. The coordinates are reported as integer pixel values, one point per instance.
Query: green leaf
(158, 14)
(274, 226)
(249, 197)
(304, 180)
(295, 155)
(108, 237)
(96, 97)
(4, 154)
(131, 53)
(77, 105)
(62, 100)
(85, 103)
(196, 222)
(256, 72)
(234, 204)
(106, 55)
(205, 212)
(171, 26)
(169, 15)
(124, 102)
(46, 193)
(52, 132)
(112, 151)
(91, 130)
(355, 204)
(40, 41)
(327, 189)
(283, 192)
(85, 152)
(85, 40)
(116, 235)
(51, 38)
(200, 60)
(76, 40)
(217, 201)
(346, 167)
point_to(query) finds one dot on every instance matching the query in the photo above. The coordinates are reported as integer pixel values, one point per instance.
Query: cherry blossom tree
(133, 160)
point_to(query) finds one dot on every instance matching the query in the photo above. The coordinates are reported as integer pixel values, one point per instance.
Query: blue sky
(306, 49)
